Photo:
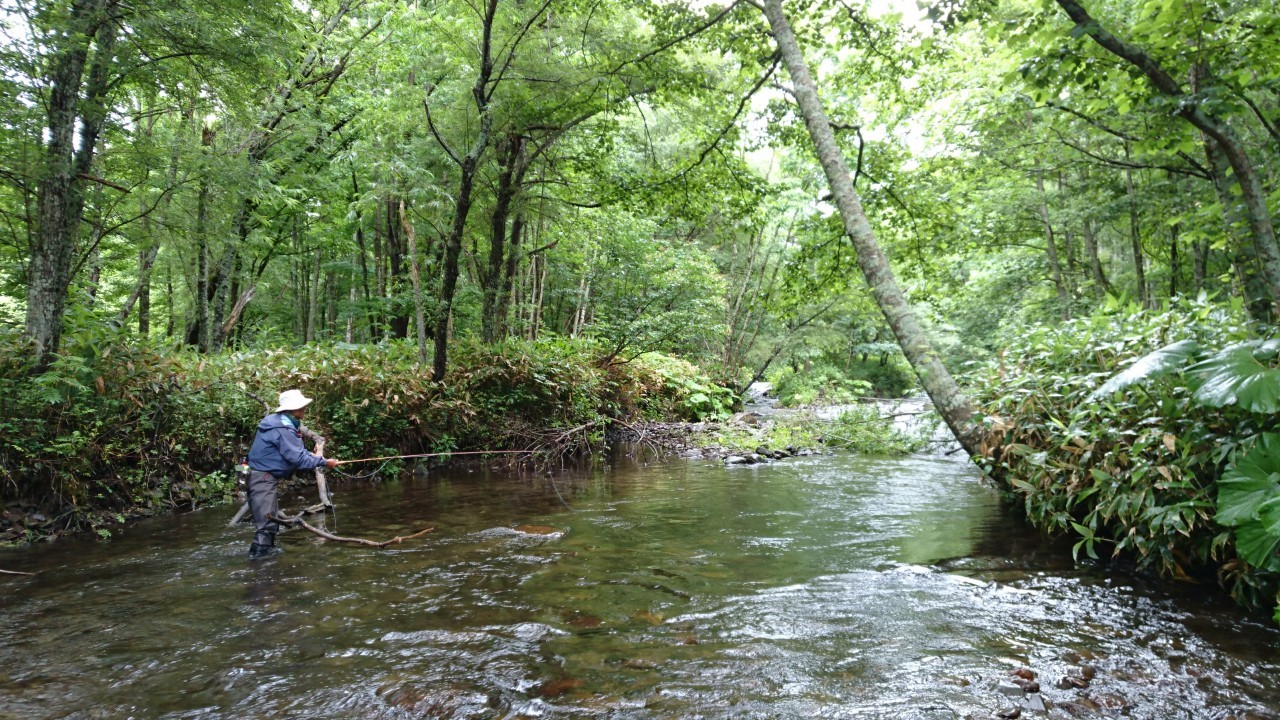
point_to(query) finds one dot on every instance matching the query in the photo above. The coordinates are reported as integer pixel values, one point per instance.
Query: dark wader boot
(263, 504)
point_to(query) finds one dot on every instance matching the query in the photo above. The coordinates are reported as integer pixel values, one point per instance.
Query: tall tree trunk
(202, 267)
(1199, 265)
(418, 313)
(380, 279)
(313, 299)
(168, 303)
(1051, 249)
(509, 274)
(511, 153)
(1244, 254)
(224, 291)
(60, 187)
(364, 259)
(350, 336)
(395, 267)
(538, 280)
(1135, 235)
(468, 166)
(1173, 261)
(1100, 284)
(146, 258)
(955, 408)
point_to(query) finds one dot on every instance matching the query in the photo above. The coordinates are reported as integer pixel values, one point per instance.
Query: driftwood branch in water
(15, 572)
(297, 520)
(244, 508)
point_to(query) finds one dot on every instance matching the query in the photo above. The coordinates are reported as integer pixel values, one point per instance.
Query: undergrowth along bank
(114, 430)
(1150, 436)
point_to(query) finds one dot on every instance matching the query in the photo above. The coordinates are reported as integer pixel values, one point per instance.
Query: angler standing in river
(276, 453)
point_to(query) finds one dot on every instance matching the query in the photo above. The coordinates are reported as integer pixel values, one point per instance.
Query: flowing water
(819, 587)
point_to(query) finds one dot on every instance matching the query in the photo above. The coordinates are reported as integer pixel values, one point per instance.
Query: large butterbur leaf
(1252, 479)
(1241, 375)
(1257, 546)
(1166, 359)
(1249, 500)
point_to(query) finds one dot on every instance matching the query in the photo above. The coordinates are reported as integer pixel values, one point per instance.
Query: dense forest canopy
(259, 173)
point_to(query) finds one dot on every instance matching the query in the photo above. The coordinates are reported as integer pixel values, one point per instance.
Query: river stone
(536, 529)
(1008, 688)
(736, 460)
(1035, 702)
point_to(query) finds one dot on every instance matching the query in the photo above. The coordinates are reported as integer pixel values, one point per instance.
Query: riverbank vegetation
(509, 222)
(112, 431)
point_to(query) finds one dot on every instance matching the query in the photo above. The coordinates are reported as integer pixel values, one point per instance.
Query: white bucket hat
(293, 400)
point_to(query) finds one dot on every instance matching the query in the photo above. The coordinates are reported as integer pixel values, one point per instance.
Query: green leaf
(1251, 480)
(1256, 545)
(1235, 375)
(1166, 359)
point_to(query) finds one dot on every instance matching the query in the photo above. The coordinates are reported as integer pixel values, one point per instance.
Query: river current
(832, 586)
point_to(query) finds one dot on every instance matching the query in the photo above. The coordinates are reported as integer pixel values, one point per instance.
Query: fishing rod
(436, 454)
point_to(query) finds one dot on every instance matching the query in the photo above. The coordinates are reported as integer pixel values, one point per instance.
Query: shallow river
(817, 587)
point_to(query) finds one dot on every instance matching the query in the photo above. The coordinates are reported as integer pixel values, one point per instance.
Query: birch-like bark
(418, 312)
(952, 404)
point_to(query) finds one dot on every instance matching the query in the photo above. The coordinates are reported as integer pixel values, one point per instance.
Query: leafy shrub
(1108, 427)
(863, 429)
(678, 388)
(822, 384)
(112, 427)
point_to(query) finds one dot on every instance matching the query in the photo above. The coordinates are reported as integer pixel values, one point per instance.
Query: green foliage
(829, 381)
(1249, 501)
(115, 428)
(677, 388)
(863, 429)
(1104, 427)
(821, 384)
(801, 431)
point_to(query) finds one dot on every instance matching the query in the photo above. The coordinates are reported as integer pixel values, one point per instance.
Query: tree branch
(431, 124)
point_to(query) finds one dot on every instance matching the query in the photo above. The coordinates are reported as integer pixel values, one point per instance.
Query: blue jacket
(277, 448)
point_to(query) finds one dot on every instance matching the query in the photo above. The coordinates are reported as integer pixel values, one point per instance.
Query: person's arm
(295, 454)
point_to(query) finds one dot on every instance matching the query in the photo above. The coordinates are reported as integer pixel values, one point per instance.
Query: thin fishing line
(552, 478)
(437, 454)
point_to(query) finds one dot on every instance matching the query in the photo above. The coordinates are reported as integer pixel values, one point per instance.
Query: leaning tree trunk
(951, 403)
